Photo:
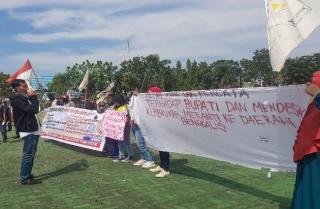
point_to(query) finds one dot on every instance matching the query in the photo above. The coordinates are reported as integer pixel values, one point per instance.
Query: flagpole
(144, 79)
(85, 98)
(36, 77)
(40, 87)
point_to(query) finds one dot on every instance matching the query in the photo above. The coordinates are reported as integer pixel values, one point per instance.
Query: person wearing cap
(164, 169)
(146, 160)
(306, 152)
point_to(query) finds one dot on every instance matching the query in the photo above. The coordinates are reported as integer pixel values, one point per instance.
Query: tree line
(143, 72)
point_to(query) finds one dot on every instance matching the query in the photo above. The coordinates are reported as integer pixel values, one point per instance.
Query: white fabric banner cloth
(253, 127)
(289, 23)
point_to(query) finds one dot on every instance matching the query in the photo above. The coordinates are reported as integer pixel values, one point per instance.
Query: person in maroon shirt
(306, 152)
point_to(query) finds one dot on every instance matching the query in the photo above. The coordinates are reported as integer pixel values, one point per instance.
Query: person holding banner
(306, 152)
(164, 168)
(66, 101)
(145, 156)
(125, 149)
(112, 146)
(25, 106)
(50, 101)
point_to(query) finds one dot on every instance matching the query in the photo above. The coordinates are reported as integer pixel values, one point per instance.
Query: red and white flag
(25, 73)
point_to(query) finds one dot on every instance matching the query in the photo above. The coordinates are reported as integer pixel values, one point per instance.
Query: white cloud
(61, 18)
(46, 63)
(76, 35)
(173, 34)
(229, 29)
(157, 27)
(111, 4)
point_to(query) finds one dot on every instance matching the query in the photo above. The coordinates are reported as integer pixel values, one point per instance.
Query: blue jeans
(112, 147)
(29, 151)
(125, 148)
(144, 152)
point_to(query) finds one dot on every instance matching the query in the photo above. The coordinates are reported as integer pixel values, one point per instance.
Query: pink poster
(113, 124)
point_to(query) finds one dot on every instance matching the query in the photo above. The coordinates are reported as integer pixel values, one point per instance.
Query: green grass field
(77, 178)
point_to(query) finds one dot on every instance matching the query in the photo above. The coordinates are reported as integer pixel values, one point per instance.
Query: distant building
(43, 80)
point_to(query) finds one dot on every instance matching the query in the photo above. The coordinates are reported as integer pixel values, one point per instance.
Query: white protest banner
(253, 127)
(289, 23)
(113, 124)
(75, 126)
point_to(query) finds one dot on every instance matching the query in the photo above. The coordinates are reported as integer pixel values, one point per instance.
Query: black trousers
(9, 125)
(4, 132)
(164, 160)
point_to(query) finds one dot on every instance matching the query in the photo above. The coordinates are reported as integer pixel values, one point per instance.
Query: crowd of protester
(121, 151)
(118, 151)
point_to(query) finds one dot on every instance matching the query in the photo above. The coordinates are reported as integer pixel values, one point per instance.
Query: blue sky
(55, 34)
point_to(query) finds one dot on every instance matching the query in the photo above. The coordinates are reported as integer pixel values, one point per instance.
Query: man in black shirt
(25, 106)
